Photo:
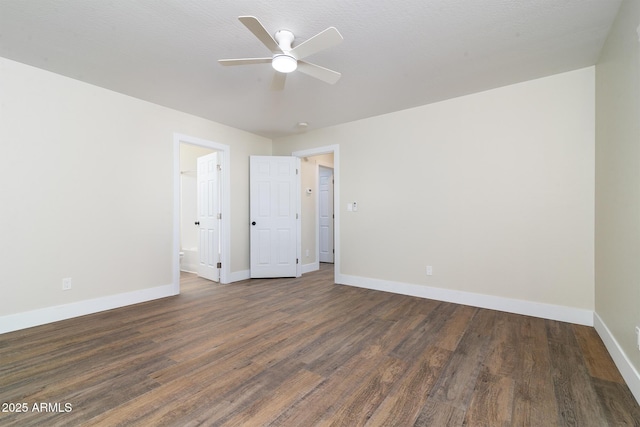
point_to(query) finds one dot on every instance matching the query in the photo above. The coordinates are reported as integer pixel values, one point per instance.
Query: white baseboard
(28, 319)
(626, 368)
(237, 276)
(510, 305)
(189, 268)
(308, 268)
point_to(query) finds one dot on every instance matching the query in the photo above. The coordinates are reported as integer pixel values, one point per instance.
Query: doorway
(191, 147)
(188, 205)
(199, 211)
(310, 235)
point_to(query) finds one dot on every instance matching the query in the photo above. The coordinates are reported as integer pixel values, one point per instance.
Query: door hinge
(219, 265)
(219, 216)
(296, 171)
(296, 216)
(297, 260)
(219, 167)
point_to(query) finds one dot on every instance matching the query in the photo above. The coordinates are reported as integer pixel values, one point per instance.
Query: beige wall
(495, 190)
(86, 189)
(618, 181)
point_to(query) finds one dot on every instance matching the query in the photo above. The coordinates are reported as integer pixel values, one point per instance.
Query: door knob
(197, 223)
(253, 223)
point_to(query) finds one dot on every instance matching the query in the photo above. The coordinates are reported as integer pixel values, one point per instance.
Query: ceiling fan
(286, 58)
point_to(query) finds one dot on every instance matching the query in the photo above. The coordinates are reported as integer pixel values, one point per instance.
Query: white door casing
(224, 158)
(274, 221)
(335, 150)
(325, 214)
(208, 217)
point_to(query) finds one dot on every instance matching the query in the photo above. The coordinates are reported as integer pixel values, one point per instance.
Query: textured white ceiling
(395, 54)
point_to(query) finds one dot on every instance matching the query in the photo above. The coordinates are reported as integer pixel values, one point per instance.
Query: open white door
(208, 217)
(325, 214)
(274, 199)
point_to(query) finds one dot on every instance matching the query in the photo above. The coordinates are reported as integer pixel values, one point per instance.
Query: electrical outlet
(429, 270)
(66, 283)
(638, 336)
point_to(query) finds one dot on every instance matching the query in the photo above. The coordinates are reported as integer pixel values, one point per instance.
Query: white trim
(308, 268)
(189, 268)
(626, 368)
(335, 150)
(238, 276)
(225, 223)
(42, 316)
(510, 305)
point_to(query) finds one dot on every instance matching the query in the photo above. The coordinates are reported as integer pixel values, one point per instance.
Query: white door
(325, 214)
(274, 199)
(208, 221)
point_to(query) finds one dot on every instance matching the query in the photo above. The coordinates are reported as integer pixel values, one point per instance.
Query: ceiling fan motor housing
(284, 38)
(283, 62)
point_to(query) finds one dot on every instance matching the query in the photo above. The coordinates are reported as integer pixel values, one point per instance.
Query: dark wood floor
(306, 352)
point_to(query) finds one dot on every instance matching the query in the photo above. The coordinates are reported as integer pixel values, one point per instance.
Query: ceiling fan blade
(324, 40)
(324, 74)
(278, 81)
(258, 30)
(245, 61)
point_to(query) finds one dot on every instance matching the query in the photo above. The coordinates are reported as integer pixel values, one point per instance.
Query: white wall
(86, 187)
(617, 269)
(495, 190)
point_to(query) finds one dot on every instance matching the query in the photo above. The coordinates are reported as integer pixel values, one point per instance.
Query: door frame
(225, 201)
(335, 150)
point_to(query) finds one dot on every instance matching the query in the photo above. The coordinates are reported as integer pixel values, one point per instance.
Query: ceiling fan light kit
(284, 63)
(286, 58)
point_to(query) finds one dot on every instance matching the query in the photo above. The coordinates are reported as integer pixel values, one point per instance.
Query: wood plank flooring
(307, 352)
